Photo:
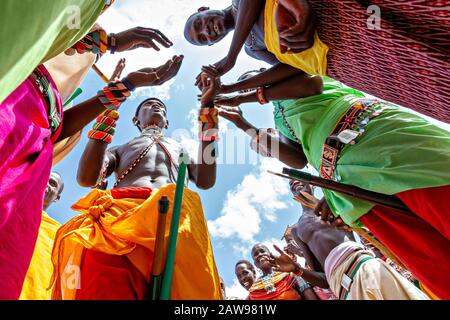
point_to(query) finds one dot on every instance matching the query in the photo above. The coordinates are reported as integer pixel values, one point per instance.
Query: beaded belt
(46, 90)
(348, 128)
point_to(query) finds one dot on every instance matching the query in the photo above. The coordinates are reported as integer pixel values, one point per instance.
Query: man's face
(153, 112)
(297, 187)
(245, 275)
(53, 190)
(261, 255)
(206, 27)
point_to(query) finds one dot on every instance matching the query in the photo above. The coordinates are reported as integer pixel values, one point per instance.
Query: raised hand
(216, 70)
(293, 249)
(233, 114)
(156, 76)
(119, 69)
(283, 263)
(296, 25)
(210, 86)
(140, 37)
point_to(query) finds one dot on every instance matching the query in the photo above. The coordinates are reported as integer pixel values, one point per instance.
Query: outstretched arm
(273, 75)
(294, 87)
(203, 173)
(247, 16)
(284, 263)
(79, 116)
(280, 147)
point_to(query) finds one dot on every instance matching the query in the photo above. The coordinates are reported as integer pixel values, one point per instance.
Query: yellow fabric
(312, 61)
(128, 227)
(375, 280)
(41, 267)
(427, 291)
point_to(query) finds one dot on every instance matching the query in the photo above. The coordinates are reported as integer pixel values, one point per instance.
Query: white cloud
(259, 196)
(270, 242)
(236, 291)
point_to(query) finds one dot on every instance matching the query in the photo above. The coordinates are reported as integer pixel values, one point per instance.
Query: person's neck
(152, 129)
(266, 272)
(308, 211)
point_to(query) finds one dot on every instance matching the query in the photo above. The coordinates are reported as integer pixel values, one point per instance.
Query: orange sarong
(115, 237)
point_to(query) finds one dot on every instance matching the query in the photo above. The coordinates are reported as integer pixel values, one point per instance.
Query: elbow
(205, 185)
(315, 86)
(85, 181)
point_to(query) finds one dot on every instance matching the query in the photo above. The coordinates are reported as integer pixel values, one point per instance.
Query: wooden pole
(356, 192)
(154, 289)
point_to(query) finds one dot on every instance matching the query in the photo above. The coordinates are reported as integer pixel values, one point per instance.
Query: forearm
(273, 75)
(296, 87)
(79, 116)
(207, 167)
(91, 163)
(317, 279)
(288, 153)
(311, 261)
(249, 12)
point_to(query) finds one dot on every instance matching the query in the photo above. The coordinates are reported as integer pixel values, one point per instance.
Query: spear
(174, 226)
(156, 278)
(356, 192)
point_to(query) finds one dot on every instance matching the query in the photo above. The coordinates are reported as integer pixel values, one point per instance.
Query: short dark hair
(247, 263)
(187, 27)
(61, 187)
(148, 100)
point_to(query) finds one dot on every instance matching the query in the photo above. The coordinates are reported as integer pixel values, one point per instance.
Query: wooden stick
(100, 73)
(154, 289)
(356, 192)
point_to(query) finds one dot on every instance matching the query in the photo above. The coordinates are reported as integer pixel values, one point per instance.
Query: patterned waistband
(347, 277)
(46, 90)
(349, 127)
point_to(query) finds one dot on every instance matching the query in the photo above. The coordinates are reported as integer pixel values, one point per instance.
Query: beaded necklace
(268, 283)
(154, 133)
(288, 126)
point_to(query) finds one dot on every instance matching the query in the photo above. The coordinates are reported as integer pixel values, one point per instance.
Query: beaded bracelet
(256, 144)
(100, 136)
(95, 42)
(104, 127)
(209, 124)
(113, 95)
(261, 96)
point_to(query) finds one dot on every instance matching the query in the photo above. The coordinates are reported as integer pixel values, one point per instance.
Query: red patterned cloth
(406, 62)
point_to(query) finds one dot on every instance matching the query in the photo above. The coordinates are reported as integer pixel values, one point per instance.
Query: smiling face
(246, 274)
(151, 112)
(261, 255)
(206, 27)
(53, 191)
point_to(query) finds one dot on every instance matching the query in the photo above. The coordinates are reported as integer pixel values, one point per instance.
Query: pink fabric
(339, 254)
(324, 294)
(25, 164)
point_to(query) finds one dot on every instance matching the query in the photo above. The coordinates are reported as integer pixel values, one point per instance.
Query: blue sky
(247, 205)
